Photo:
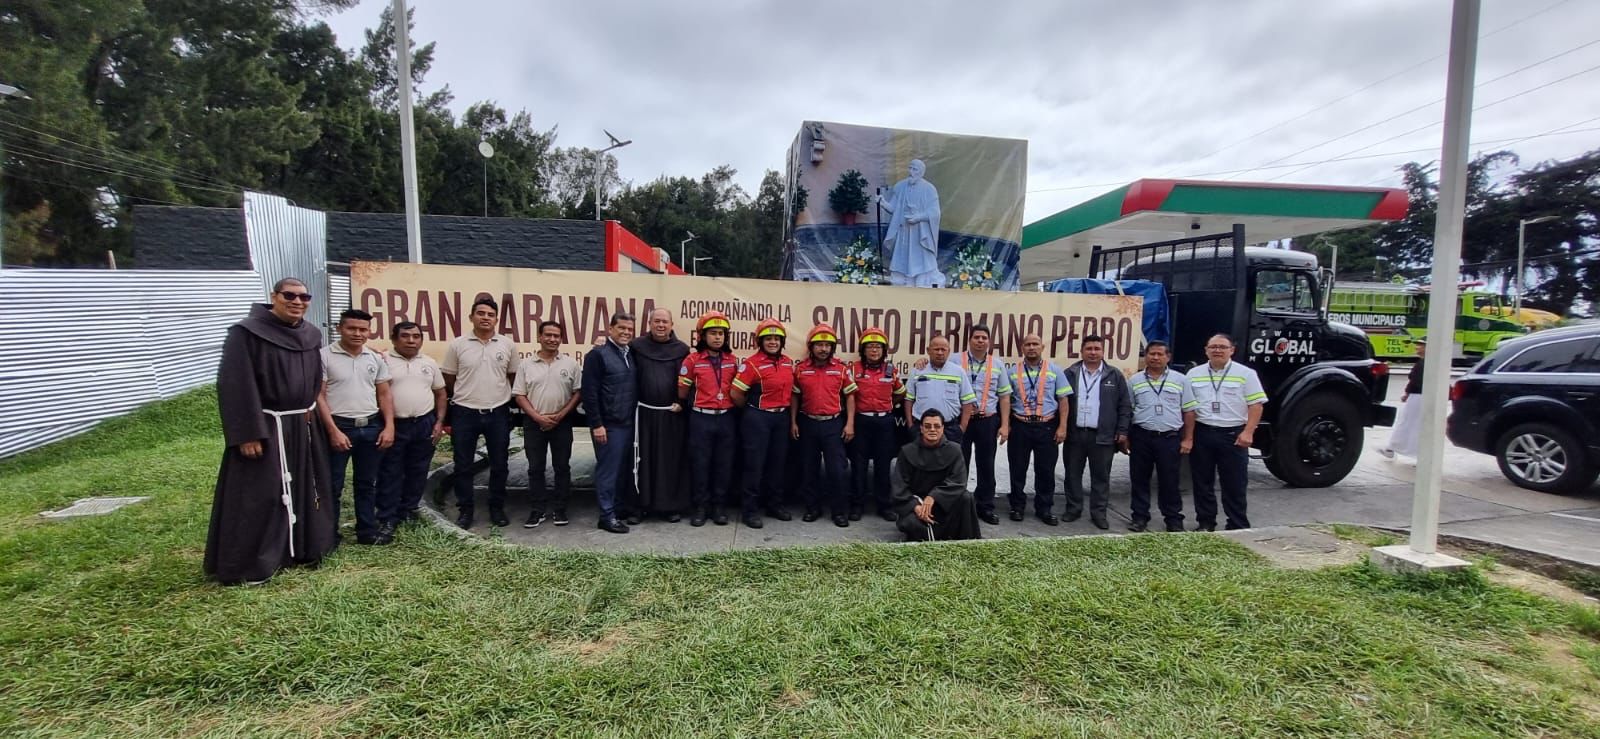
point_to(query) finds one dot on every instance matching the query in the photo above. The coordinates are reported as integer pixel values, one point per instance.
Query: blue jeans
(466, 425)
(613, 469)
(364, 451)
(404, 471)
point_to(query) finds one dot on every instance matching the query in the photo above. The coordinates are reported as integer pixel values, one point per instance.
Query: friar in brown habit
(272, 507)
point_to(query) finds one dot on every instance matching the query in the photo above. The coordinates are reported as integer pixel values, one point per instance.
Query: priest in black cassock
(929, 487)
(273, 506)
(663, 431)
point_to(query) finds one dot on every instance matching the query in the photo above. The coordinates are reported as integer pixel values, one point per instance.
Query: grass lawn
(107, 628)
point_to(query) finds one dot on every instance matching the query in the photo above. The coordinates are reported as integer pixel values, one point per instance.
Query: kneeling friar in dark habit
(930, 486)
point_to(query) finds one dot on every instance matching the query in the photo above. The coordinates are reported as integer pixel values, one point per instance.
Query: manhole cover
(94, 506)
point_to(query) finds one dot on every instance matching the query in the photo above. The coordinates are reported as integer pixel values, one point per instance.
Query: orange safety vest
(1038, 401)
(988, 377)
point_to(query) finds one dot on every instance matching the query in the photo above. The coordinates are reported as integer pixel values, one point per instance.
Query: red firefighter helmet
(712, 319)
(822, 332)
(770, 327)
(873, 334)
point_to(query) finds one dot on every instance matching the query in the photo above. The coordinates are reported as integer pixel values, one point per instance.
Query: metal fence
(286, 240)
(81, 346)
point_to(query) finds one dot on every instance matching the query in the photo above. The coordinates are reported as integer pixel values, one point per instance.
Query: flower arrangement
(859, 264)
(974, 268)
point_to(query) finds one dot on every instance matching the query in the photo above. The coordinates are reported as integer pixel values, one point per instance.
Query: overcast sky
(1104, 92)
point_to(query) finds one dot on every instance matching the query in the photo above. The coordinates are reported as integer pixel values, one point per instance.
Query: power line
(33, 154)
(107, 166)
(1371, 85)
(1425, 106)
(90, 189)
(1557, 131)
(1486, 142)
(111, 154)
(1427, 126)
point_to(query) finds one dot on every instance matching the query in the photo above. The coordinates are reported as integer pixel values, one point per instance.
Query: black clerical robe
(662, 436)
(269, 365)
(940, 472)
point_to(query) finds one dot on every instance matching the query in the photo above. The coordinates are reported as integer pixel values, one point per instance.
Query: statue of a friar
(913, 234)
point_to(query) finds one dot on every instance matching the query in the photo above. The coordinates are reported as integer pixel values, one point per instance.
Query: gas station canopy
(1150, 211)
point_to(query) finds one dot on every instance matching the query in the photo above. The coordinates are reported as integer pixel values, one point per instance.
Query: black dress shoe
(1138, 527)
(1017, 514)
(1050, 519)
(1070, 517)
(988, 517)
(415, 514)
(719, 518)
(753, 520)
(497, 516)
(887, 514)
(1100, 522)
(1175, 528)
(1205, 527)
(855, 514)
(779, 514)
(811, 516)
(465, 519)
(674, 517)
(613, 525)
(385, 533)
(841, 520)
(634, 519)
(366, 540)
(698, 519)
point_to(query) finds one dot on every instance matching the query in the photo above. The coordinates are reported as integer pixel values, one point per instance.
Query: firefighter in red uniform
(764, 430)
(878, 390)
(707, 375)
(822, 419)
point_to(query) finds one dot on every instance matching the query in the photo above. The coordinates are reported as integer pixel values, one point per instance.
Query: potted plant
(849, 197)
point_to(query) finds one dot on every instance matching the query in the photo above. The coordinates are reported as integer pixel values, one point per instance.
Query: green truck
(1394, 315)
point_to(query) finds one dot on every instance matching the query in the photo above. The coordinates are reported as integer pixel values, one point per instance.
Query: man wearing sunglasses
(273, 506)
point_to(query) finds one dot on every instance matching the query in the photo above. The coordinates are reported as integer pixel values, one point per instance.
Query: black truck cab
(1323, 384)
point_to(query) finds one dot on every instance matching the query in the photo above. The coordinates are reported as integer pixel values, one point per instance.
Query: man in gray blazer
(1102, 411)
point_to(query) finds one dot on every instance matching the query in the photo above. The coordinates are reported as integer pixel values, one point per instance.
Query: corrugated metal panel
(338, 297)
(80, 346)
(289, 241)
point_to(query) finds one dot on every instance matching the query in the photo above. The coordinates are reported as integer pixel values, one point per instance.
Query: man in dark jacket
(609, 395)
(930, 495)
(1102, 411)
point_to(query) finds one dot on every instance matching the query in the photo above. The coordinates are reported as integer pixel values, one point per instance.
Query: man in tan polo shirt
(478, 368)
(417, 388)
(356, 410)
(546, 389)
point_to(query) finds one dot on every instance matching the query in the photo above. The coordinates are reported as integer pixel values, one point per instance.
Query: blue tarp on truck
(1157, 327)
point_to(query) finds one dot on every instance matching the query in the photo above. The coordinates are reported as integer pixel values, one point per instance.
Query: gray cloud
(1104, 92)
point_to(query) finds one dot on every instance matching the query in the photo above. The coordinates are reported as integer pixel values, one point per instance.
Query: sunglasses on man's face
(291, 297)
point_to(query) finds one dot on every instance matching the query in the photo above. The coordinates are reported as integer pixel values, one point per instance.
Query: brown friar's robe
(662, 436)
(941, 472)
(268, 364)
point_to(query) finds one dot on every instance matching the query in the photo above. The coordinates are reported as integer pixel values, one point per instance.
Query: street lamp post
(1522, 232)
(486, 151)
(697, 261)
(683, 248)
(599, 167)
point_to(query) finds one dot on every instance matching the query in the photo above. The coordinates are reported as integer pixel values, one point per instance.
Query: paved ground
(1478, 503)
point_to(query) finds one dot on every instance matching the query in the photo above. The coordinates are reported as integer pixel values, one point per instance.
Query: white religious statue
(913, 234)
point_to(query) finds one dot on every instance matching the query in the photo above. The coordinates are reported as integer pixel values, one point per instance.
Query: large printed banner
(870, 205)
(439, 299)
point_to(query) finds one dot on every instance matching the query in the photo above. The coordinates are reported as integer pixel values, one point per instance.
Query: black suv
(1534, 403)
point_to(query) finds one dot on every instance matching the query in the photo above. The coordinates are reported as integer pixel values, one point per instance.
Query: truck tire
(1543, 457)
(1318, 443)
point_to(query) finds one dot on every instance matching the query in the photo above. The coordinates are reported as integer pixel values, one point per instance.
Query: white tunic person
(913, 234)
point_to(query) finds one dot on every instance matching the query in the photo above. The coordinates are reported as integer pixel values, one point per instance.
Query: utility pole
(600, 167)
(408, 135)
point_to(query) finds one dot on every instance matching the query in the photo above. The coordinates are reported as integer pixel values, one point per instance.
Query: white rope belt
(283, 467)
(636, 453)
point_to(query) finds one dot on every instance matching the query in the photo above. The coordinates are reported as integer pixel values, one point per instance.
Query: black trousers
(983, 436)
(874, 445)
(558, 443)
(466, 425)
(1035, 441)
(825, 438)
(765, 439)
(1215, 456)
(711, 452)
(404, 471)
(1155, 452)
(1082, 451)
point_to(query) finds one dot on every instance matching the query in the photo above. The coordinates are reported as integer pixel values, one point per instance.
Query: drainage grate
(93, 507)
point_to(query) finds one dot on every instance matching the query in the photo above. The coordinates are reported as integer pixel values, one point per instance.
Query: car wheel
(1543, 457)
(1319, 443)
